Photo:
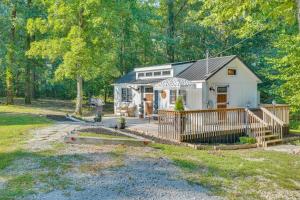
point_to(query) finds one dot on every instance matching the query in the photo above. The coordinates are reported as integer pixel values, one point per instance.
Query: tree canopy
(47, 46)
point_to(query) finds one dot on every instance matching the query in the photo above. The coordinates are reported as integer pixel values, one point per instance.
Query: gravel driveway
(105, 174)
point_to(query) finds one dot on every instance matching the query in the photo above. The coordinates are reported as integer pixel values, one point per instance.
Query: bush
(179, 104)
(122, 120)
(247, 140)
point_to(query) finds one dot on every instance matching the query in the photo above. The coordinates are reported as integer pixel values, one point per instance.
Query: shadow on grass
(9, 119)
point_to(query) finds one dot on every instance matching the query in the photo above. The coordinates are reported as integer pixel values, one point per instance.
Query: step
(269, 137)
(272, 142)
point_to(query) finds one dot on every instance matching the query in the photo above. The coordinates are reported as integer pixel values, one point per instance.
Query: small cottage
(220, 82)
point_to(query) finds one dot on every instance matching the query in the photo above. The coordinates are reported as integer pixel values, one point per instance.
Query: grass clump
(247, 140)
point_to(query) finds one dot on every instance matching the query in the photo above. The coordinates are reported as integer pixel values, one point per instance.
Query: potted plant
(179, 107)
(121, 123)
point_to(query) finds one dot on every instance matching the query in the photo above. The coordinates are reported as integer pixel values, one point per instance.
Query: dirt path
(112, 172)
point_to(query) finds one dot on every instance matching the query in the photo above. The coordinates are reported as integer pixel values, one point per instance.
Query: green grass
(236, 174)
(102, 135)
(15, 125)
(294, 127)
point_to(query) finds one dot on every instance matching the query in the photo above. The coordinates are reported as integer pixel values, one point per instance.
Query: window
(148, 90)
(231, 72)
(126, 95)
(148, 74)
(173, 95)
(165, 73)
(141, 74)
(157, 73)
(222, 89)
(183, 94)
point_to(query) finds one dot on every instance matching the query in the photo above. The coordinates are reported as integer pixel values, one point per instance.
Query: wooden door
(222, 101)
(148, 104)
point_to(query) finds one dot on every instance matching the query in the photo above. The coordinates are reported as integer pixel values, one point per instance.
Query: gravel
(138, 177)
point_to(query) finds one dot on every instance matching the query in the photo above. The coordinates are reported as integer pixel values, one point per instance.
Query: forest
(74, 49)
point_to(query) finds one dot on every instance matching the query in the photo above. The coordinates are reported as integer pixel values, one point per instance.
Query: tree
(77, 37)
(249, 19)
(11, 57)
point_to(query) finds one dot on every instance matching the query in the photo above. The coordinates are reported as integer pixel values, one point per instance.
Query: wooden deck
(221, 125)
(211, 126)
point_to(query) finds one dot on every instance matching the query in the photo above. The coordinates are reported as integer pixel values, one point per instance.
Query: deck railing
(222, 125)
(255, 126)
(214, 125)
(281, 111)
(276, 125)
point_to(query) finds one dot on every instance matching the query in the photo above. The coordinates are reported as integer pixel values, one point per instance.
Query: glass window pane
(166, 72)
(157, 73)
(232, 72)
(173, 94)
(141, 74)
(222, 89)
(149, 74)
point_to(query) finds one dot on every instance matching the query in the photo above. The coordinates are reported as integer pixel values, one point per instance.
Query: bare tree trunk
(10, 56)
(78, 110)
(171, 31)
(27, 68)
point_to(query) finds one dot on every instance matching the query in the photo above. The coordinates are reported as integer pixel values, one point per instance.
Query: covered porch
(143, 98)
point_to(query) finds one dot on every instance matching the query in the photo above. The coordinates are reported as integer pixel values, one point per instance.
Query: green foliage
(247, 140)
(122, 120)
(179, 105)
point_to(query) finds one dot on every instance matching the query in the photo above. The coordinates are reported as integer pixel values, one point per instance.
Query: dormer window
(165, 73)
(231, 72)
(157, 73)
(141, 75)
(148, 74)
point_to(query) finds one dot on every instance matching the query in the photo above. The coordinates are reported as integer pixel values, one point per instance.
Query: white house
(221, 82)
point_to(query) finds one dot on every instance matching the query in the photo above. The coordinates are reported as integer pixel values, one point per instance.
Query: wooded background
(67, 48)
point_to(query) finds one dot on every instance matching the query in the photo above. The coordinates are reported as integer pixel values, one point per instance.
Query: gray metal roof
(127, 78)
(197, 71)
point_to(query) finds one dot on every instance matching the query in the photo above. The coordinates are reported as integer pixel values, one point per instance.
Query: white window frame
(127, 93)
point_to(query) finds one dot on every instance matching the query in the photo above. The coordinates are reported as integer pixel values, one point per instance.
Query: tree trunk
(78, 110)
(298, 14)
(28, 92)
(171, 31)
(105, 95)
(10, 57)
(27, 68)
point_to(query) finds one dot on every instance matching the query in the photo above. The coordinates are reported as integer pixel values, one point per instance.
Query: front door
(148, 99)
(222, 101)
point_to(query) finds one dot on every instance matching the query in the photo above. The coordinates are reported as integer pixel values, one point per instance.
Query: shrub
(179, 104)
(247, 140)
(122, 120)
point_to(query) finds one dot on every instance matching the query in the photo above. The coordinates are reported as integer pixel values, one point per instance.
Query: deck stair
(271, 128)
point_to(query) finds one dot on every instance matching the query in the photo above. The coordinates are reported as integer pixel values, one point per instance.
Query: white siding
(136, 96)
(242, 88)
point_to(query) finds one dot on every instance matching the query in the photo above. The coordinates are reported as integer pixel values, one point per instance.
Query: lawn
(21, 170)
(239, 174)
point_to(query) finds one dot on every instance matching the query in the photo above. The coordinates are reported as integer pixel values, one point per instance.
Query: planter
(121, 125)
